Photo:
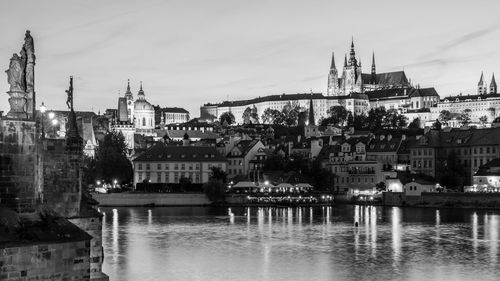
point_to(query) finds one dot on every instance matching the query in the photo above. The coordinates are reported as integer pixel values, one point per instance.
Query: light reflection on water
(196, 243)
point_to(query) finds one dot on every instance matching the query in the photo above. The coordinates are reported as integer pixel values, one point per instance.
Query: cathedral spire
(352, 54)
(128, 85)
(374, 72)
(481, 80)
(332, 66)
(493, 85)
(345, 60)
(373, 63)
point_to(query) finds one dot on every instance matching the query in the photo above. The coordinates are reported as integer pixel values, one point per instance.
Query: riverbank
(187, 199)
(151, 199)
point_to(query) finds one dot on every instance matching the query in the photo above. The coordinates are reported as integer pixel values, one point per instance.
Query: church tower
(373, 76)
(493, 85)
(333, 79)
(481, 86)
(130, 102)
(352, 73)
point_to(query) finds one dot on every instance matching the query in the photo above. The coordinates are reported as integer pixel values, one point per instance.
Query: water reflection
(311, 243)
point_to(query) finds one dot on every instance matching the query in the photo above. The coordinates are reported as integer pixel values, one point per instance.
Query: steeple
(481, 86)
(332, 66)
(481, 80)
(311, 113)
(493, 85)
(140, 94)
(374, 73)
(352, 54)
(345, 60)
(128, 93)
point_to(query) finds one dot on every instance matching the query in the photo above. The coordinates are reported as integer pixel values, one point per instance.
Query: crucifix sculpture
(69, 101)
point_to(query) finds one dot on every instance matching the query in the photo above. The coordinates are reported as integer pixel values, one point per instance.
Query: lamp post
(54, 124)
(43, 108)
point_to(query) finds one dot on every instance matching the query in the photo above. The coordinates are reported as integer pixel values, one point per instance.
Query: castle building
(484, 105)
(356, 91)
(353, 80)
(134, 116)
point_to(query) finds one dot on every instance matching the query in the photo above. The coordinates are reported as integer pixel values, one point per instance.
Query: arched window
(143, 121)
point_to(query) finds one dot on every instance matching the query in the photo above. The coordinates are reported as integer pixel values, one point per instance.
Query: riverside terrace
(283, 194)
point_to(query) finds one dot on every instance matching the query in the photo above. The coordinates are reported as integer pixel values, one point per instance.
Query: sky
(188, 53)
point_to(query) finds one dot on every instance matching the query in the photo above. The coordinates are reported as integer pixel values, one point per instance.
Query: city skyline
(209, 53)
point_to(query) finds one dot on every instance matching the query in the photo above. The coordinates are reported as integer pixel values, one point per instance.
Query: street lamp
(54, 124)
(43, 108)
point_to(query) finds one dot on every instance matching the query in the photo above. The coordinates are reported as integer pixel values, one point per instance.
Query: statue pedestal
(17, 102)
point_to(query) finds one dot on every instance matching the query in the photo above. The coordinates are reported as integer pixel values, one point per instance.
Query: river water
(320, 243)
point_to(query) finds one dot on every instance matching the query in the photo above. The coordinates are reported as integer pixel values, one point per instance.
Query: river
(320, 243)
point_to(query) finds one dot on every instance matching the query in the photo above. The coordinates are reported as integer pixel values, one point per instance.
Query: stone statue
(69, 101)
(15, 74)
(29, 52)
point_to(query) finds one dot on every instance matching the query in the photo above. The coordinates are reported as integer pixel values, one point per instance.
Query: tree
(218, 174)
(465, 117)
(415, 124)
(247, 115)
(437, 125)
(215, 191)
(215, 188)
(227, 118)
(302, 118)
(376, 118)
(381, 186)
(444, 117)
(254, 116)
(290, 114)
(111, 159)
(360, 122)
(483, 119)
(338, 115)
(393, 120)
(271, 116)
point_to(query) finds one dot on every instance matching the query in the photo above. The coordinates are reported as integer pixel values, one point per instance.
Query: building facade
(164, 163)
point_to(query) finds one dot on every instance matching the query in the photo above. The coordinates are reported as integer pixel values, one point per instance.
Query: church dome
(142, 105)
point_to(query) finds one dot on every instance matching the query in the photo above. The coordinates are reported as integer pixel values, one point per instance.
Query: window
(158, 177)
(197, 180)
(480, 150)
(139, 167)
(148, 175)
(143, 121)
(176, 166)
(140, 177)
(158, 166)
(197, 167)
(190, 166)
(148, 166)
(488, 149)
(183, 166)
(167, 177)
(176, 177)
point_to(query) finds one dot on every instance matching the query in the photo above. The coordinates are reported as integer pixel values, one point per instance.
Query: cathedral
(352, 80)
(134, 116)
